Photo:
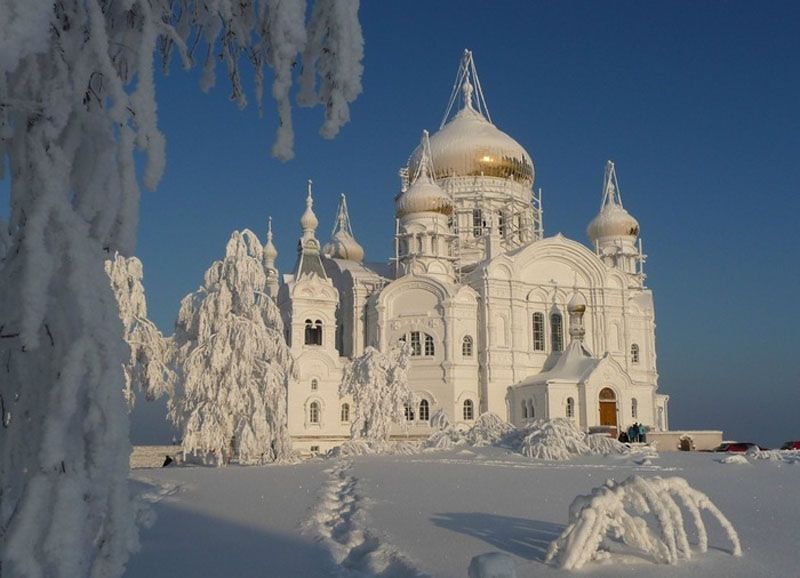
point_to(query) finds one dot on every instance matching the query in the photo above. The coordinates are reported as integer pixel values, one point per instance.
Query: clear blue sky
(696, 102)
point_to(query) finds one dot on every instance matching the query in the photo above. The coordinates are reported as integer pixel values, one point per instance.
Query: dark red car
(795, 445)
(739, 447)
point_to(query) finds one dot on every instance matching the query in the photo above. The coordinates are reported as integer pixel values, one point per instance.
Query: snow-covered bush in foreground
(378, 384)
(492, 565)
(233, 363)
(734, 459)
(785, 456)
(149, 367)
(645, 514)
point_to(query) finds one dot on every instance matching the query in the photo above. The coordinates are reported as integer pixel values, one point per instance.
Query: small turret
(343, 244)
(270, 255)
(614, 231)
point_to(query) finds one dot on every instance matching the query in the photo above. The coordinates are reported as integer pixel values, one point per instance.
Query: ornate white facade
(499, 317)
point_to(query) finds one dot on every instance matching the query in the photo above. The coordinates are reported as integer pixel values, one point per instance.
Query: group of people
(637, 433)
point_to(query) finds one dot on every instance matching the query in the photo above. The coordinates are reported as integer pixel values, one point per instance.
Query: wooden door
(608, 413)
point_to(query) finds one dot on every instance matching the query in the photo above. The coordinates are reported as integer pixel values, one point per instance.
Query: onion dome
(309, 221)
(470, 145)
(343, 244)
(270, 252)
(424, 195)
(577, 304)
(612, 220)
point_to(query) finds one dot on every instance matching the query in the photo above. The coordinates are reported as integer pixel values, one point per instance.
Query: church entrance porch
(608, 409)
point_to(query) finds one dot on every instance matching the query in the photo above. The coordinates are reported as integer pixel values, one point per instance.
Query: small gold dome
(423, 196)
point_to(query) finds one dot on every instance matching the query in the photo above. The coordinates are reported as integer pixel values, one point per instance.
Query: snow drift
(645, 514)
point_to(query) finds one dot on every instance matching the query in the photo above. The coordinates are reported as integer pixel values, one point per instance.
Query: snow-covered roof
(575, 365)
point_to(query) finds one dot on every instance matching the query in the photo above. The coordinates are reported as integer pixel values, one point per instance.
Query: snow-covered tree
(148, 368)
(77, 99)
(233, 363)
(378, 384)
(642, 513)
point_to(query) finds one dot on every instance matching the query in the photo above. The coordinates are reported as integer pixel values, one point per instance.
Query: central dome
(470, 145)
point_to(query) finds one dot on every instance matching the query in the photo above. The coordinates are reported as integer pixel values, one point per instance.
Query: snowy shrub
(350, 448)
(553, 439)
(450, 437)
(489, 429)
(604, 445)
(378, 384)
(439, 420)
(786, 456)
(78, 100)
(149, 367)
(233, 363)
(644, 514)
(734, 459)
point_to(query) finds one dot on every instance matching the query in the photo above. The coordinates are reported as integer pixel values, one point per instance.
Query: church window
(313, 333)
(634, 353)
(524, 409)
(409, 411)
(477, 223)
(416, 345)
(634, 408)
(538, 331)
(345, 412)
(314, 384)
(429, 349)
(531, 409)
(501, 223)
(557, 332)
(313, 412)
(570, 407)
(424, 410)
(466, 346)
(469, 410)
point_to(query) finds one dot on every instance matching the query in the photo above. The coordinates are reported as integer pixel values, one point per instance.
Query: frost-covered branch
(77, 101)
(378, 384)
(233, 363)
(149, 368)
(623, 511)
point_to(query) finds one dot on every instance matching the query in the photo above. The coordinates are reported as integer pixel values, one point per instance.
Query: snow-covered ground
(429, 514)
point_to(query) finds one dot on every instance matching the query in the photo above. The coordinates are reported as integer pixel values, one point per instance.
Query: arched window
(501, 223)
(466, 346)
(469, 410)
(345, 412)
(538, 331)
(557, 332)
(313, 333)
(634, 353)
(313, 412)
(524, 409)
(634, 408)
(429, 349)
(409, 411)
(531, 409)
(424, 410)
(314, 384)
(477, 223)
(570, 407)
(416, 344)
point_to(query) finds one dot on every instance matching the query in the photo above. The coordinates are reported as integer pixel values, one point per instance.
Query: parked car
(795, 445)
(739, 447)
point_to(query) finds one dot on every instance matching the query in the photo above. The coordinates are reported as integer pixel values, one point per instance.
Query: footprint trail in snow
(339, 521)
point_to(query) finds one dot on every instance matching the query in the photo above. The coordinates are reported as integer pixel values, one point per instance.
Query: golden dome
(470, 145)
(423, 196)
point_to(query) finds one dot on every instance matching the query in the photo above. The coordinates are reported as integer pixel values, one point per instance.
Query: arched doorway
(608, 409)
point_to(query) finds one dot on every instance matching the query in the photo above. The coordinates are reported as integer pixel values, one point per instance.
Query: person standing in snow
(642, 433)
(632, 433)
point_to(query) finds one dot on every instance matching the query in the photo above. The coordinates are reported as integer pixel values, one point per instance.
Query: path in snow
(339, 520)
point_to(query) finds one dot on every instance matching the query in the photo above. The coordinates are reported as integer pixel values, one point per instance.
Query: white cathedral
(498, 317)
